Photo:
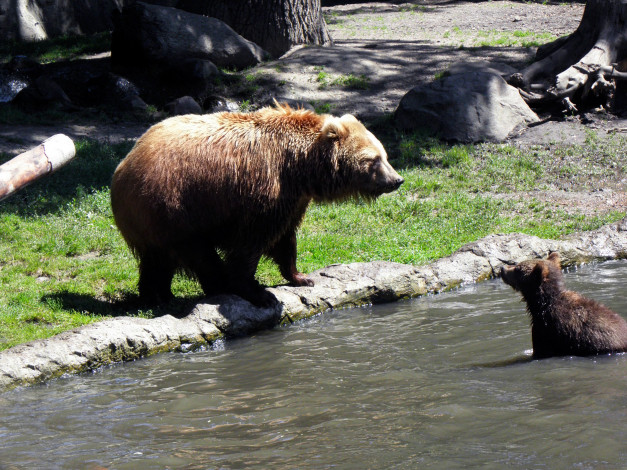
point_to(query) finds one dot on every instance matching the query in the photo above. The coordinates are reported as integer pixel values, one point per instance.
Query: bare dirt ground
(396, 47)
(390, 48)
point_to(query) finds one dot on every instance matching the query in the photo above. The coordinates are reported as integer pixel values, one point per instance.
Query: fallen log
(22, 170)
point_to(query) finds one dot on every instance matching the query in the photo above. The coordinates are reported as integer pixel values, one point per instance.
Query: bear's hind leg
(241, 268)
(210, 271)
(155, 277)
(284, 255)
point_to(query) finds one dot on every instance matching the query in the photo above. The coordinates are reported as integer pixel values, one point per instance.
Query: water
(440, 382)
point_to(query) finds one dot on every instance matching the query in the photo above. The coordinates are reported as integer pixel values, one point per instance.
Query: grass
(494, 38)
(64, 264)
(350, 81)
(64, 47)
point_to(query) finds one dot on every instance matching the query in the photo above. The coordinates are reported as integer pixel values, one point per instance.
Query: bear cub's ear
(539, 272)
(554, 257)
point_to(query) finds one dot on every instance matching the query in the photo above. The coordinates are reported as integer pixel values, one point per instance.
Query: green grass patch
(63, 263)
(61, 48)
(360, 82)
(494, 38)
(350, 81)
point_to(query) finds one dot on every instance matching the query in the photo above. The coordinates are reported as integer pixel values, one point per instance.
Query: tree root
(597, 81)
(583, 67)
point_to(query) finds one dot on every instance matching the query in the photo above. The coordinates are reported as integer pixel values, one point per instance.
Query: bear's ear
(332, 128)
(554, 257)
(349, 118)
(539, 272)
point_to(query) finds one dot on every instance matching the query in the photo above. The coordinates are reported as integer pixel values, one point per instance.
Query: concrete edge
(337, 286)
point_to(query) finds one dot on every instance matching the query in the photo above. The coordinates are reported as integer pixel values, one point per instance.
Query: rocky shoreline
(337, 286)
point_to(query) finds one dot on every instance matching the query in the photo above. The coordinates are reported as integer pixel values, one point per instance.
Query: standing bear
(209, 195)
(563, 322)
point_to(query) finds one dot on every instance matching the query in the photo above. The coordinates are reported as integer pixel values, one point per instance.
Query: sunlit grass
(64, 47)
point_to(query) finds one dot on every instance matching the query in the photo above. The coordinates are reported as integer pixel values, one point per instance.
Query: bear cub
(563, 322)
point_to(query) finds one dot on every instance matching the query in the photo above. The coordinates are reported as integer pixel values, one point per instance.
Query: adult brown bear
(563, 322)
(209, 195)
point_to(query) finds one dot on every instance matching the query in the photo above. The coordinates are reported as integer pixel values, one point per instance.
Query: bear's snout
(397, 183)
(391, 184)
(389, 179)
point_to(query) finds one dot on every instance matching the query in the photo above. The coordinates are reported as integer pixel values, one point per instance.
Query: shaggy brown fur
(209, 195)
(563, 322)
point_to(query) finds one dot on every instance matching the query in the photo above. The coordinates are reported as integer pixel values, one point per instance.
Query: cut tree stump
(22, 170)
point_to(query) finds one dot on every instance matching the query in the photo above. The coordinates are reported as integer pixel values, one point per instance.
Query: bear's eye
(376, 163)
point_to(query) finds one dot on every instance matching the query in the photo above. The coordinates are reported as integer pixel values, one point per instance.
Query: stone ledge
(337, 286)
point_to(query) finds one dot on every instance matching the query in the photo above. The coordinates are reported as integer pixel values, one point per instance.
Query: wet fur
(564, 322)
(210, 194)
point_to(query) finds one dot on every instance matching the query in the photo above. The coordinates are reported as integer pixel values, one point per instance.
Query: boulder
(166, 35)
(114, 91)
(183, 105)
(218, 104)
(470, 106)
(193, 77)
(43, 93)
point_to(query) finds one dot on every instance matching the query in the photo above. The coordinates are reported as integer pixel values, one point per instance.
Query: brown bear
(209, 195)
(563, 322)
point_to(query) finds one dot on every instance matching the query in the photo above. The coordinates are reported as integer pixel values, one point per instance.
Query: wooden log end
(59, 150)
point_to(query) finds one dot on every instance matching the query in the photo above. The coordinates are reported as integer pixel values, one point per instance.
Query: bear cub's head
(359, 158)
(528, 276)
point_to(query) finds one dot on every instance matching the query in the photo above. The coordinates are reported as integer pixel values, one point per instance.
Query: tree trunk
(275, 25)
(589, 60)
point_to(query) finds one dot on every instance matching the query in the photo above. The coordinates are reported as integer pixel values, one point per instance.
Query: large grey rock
(471, 106)
(41, 94)
(34, 20)
(337, 286)
(153, 33)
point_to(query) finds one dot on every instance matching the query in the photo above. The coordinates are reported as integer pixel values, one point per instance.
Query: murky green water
(440, 382)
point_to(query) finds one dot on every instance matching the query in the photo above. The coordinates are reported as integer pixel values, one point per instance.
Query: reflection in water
(443, 381)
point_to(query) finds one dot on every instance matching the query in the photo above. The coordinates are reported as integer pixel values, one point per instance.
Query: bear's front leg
(284, 255)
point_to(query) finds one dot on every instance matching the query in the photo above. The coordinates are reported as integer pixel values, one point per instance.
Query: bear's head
(527, 277)
(359, 160)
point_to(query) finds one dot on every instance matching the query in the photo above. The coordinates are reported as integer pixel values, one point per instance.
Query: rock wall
(337, 286)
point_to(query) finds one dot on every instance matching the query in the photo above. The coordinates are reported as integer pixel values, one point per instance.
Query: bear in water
(563, 322)
(209, 195)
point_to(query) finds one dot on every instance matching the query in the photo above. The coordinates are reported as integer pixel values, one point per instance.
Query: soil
(382, 50)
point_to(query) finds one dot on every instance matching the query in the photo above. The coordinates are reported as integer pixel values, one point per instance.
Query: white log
(27, 167)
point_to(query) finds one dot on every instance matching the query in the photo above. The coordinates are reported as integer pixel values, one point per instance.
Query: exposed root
(582, 68)
(598, 81)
